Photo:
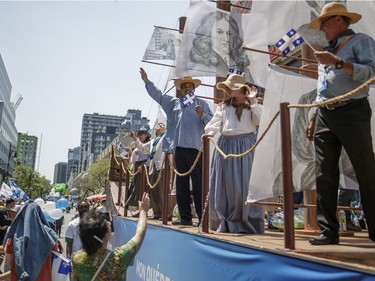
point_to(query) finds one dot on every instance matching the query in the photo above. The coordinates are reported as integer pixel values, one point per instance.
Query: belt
(338, 104)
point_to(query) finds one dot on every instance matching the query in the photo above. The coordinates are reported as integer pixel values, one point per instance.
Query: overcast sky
(71, 58)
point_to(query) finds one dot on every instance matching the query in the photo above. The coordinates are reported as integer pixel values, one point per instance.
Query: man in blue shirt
(346, 63)
(185, 126)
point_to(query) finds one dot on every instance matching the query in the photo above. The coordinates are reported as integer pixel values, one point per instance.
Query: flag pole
(279, 55)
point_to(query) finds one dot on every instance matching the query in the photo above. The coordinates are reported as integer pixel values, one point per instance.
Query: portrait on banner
(212, 44)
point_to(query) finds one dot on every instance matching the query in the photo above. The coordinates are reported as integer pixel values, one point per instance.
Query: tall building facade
(26, 149)
(8, 131)
(60, 173)
(73, 162)
(99, 130)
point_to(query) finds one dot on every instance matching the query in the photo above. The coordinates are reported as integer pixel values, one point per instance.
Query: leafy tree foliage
(31, 181)
(96, 179)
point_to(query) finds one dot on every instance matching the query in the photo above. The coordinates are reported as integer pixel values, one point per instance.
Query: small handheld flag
(235, 71)
(289, 42)
(188, 99)
(127, 120)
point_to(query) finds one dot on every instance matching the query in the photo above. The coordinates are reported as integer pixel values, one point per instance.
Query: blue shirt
(184, 127)
(360, 51)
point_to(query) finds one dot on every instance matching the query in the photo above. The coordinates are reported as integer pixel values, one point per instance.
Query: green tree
(97, 177)
(31, 181)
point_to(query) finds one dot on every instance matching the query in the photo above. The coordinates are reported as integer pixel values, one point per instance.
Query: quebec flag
(127, 120)
(60, 267)
(188, 99)
(18, 192)
(289, 42)
(235, 71)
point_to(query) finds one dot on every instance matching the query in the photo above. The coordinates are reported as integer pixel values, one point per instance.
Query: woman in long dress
(236, 119)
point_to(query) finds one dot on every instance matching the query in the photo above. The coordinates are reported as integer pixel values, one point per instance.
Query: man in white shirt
(73, 242)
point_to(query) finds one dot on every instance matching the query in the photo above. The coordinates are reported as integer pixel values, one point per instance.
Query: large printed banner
(212, 45)
(266, 177)
(171, 255)
(163, 45)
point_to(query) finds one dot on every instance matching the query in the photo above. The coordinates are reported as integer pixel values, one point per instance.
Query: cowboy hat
(186, 79)
(334, 9)
(234, 82)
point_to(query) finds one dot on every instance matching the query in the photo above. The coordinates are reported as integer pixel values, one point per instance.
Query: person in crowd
(236, 118)
(102, 208)
(72, 238)
(137, 159)
(156, 156)
(185, 126)
(29, 242)
(58, 224)
(4, 220)
(345, 64)
(95, 259)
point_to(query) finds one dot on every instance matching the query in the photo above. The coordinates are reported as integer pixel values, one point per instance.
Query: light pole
(11, 151)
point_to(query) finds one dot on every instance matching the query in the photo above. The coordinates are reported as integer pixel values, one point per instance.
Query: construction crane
(19, 98)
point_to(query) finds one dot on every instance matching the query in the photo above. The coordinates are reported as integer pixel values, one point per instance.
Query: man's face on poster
(221, 36)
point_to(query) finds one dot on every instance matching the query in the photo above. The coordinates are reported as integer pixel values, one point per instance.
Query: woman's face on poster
(220, 36)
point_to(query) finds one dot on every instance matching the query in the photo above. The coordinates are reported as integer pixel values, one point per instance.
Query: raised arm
(144, 206)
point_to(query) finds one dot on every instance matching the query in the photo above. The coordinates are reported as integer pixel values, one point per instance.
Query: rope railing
(225, 156)
(192, 167)
(152, 186)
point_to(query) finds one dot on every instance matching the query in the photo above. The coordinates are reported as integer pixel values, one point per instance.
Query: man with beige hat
(186, 118)
(346, 63)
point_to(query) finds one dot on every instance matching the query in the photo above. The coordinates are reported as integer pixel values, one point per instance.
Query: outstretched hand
(143, 74)
(144, 204)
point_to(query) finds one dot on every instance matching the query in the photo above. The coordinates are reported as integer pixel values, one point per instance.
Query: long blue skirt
(229, 183)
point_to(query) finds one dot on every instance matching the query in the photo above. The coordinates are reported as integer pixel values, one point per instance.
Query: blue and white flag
(289, 42)
(188, 99)
(17, 191)
(61, 267)
(6, 190)
(235, 71)
(127, 120)
(119, 146)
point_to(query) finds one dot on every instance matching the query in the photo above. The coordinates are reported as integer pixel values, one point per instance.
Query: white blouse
(226, 121)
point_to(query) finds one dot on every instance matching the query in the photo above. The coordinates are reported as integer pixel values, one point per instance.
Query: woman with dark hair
(95, 261)
(218, 44)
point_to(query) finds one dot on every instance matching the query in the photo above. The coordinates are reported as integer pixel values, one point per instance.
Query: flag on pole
(289, 42)
(235, 71)
(17, 191)
(6, 190)
(188, 99)
(127, 120)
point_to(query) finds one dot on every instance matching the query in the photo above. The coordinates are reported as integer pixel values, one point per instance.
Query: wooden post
(127, 184)
(309, 196)
(205, 182)
(166, 189)
(223, 5)
(286, 154)
(119, 185)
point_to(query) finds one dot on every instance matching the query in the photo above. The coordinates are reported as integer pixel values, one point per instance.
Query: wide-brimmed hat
(334, 9)
(187, 79)
(234, 82)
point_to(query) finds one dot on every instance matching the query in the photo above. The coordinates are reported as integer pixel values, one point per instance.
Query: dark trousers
(157, 193)
(184, 158)
(349, 127)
